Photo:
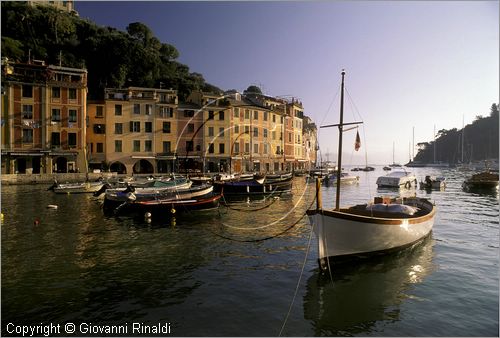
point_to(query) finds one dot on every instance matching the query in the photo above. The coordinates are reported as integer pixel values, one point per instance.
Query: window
(191, 128)
(236, 112)
(72, 115)
(265, 148)
(236, 129)
(274, 135)
(221, 115)
(255, 132)
(247, 129)
(274, 118)
(166, 127)
(236, 147)
(136, 145)
(149, 109)
(56, 92)
(188, 113)
(27, 91)
(256, 148)
(166, 112)
(118, 109)
(255, 115)
(27, 111)
(99, 129)
(198, 147)
(148, 145)
(148, 127)
(137, 108)
(211, 148)
(247, 147)
(264, 132)
(72, 140)
(118, 146)
(56, 115)
(99, 111)
(135, 126)
(210, 131)
(289, 137)
(189, 145)
(166, 146)
(55, 139)
(27, 135)
(265, 116)
(210, 115)
(100, 147)
(221, 148)
(72, 93)
(247, 114)
(118, 128)
(221, 131)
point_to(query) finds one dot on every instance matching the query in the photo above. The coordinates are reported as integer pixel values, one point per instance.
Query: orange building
(43, 118)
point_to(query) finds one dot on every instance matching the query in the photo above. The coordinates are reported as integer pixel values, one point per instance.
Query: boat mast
(434, 144)
(462, 143)
(339, 161)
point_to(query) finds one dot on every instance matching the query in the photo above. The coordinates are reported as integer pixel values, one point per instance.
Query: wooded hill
(113, 58)
(480, 142)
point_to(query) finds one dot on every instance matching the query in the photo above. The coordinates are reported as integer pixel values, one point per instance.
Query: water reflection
(363, 294)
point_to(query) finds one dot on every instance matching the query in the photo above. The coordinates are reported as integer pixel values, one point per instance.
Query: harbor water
(246, 268)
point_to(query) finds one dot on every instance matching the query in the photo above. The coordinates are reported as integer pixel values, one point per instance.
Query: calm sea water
(207, 274)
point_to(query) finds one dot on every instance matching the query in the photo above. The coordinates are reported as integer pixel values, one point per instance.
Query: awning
(256, 161)
(52, 153)
(236, 158)
(143, 157)
(26, 154)
(190, 156)
(165, 157)
(290, 160)
(303, 160)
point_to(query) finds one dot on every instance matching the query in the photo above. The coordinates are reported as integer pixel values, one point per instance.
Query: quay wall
(9, 179)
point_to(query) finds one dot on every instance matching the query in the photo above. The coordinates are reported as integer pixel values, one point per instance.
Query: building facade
(43, 118)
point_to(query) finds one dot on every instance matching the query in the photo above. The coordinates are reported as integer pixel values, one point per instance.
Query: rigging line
(265, 226)
(298, 282)
(269, 237)
(354, 104)
(329, 107)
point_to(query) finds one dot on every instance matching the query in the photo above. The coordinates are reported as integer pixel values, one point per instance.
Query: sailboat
(360, 231)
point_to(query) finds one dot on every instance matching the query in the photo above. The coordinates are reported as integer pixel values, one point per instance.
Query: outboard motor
(54, 185)
(99, 192)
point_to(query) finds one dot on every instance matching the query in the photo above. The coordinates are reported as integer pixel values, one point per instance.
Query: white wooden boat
(345, 178)
(77, 188)
(433, 183)
(369, 229)
(397, 179)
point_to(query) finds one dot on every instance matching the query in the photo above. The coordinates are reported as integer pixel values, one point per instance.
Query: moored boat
(368, 229)
(77, 188)
(397, 179)
(433, 183)
(485, 180)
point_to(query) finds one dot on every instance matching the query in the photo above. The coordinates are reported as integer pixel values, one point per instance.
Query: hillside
(113, 58)
(480, 142)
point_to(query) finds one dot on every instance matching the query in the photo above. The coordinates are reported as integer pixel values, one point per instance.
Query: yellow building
(139, 127)
(44, 118)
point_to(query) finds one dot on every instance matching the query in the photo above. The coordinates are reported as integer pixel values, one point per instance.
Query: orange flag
(357, 144)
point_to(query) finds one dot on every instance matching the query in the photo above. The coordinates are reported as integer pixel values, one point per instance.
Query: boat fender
(147, 215)
(131, 196)
(36, 222)
(51, 206)
(408, 184)
(172, 211)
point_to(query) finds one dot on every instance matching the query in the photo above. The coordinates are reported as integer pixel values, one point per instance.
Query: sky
(410, 65)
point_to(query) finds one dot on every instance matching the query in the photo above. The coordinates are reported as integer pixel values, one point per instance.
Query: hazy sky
(408, 63)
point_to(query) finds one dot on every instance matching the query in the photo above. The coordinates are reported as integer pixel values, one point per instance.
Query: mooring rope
(298, 283)
(269, 237)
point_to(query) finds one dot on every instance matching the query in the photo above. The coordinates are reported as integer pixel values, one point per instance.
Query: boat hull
(344, 236)
(78, 188)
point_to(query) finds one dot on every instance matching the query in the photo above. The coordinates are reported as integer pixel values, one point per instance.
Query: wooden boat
(397, 179)
(153, 187)
(345, 178)
(124, 199)
(77, 188)
(277, 183)
(368, 229)
(433, 183)
(481, 181)
(170, 206)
